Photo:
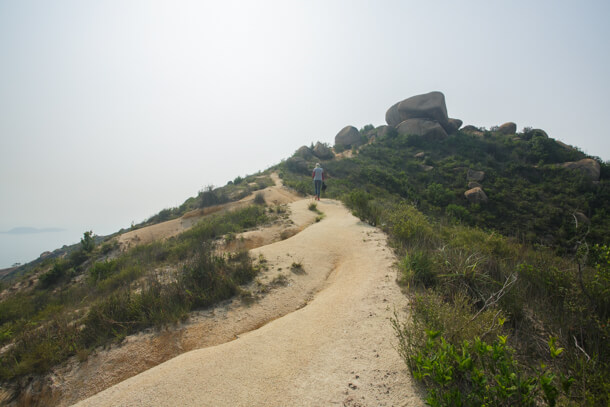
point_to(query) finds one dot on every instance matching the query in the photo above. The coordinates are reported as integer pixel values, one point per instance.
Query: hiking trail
(323, 339)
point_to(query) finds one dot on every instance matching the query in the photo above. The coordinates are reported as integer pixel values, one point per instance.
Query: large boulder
(454, 125)
(304, 152)
(476, 195)
(566, 146)
(382, 130)
(422, 127)
(470, 129)
(430, 106)
(322, 151)
(507, 128)
(588, 166)
(347, 136)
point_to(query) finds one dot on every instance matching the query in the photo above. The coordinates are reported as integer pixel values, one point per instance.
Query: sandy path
(336, 350)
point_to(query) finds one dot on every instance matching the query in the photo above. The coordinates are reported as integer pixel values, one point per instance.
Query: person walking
(318, 179)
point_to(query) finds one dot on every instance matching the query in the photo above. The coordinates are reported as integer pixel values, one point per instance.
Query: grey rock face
(347, 136)
(473, 184)
(508, 128)
(422, 127)
(564, 145)
(470, 129)
(304, 152)
(382, 130)
(454, 125)
(476, 195)
(588, 166)
(430, 106)
(323, 152)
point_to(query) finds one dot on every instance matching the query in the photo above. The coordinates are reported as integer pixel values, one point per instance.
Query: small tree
(87, 242)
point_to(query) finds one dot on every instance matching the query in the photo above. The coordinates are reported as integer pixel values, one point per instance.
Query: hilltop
(493, 233)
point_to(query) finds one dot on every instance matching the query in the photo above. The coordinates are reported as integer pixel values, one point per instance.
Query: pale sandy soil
(323, 339)
(273, 195)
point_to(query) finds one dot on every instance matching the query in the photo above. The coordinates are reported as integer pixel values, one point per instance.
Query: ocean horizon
(23, 246)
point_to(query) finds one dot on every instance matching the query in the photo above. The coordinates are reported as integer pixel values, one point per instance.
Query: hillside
(499, 240)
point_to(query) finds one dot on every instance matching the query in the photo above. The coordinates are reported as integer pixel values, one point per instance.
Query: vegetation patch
(509, 297)
(48, 323)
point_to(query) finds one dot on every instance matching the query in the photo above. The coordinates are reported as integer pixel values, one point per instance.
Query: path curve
(336, 350)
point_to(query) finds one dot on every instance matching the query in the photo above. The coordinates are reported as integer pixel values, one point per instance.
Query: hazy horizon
(112, 111)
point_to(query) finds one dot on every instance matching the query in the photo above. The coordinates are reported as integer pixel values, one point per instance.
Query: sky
(113, 110)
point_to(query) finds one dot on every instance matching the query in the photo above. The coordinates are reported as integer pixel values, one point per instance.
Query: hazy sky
(113, 110)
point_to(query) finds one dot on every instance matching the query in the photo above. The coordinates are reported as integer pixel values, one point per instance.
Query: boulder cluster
(422, 115)
(299, 160)
(426, 116)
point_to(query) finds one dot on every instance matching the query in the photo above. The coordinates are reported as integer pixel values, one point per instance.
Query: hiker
(318, 179)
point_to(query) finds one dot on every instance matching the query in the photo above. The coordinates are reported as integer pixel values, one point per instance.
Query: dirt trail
(337, 349)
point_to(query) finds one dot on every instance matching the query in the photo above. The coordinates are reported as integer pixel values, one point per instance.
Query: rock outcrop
(454, 125)
(347, 136)
(382, 130)
(430, 107)
(476, 195)
(566, 146)
(422, 127)
(508, 128)
(470, 129)
(304, 152)
(322, 151)
(588, 166)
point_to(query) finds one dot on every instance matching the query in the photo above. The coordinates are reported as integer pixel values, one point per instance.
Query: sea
(23, 247)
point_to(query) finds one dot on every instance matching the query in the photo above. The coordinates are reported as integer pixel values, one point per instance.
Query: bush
(457, 213)
(57, 273)
(360, 203)
(480, 374)
(210, 197)
(418, 267)
(410, 227)
(87, 242)
(259, 198)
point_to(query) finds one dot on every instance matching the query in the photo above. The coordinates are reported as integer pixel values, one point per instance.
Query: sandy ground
(323, 339)
(273, 195)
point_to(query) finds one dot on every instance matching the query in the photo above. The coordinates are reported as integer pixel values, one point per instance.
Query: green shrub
(57, 273)
(480, 374)
(411, 228)
(361, 204)
(458, 214)
(418, 267)
(259, 198)
(109, 246)
(102, 270)
(210, 197)
(87, 242)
